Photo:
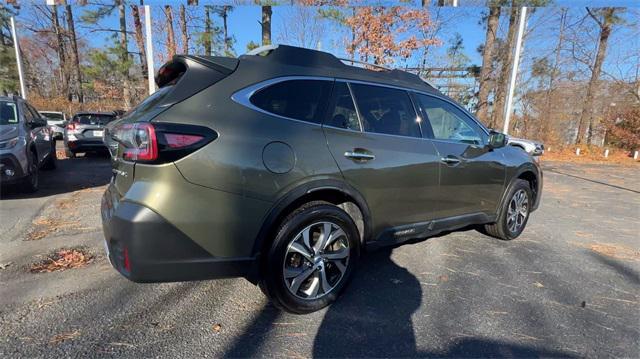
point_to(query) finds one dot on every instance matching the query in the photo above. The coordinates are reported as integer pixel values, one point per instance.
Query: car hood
(8, 132)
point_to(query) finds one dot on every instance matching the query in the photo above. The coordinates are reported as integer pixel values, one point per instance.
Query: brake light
(160, 142)
(142, 141)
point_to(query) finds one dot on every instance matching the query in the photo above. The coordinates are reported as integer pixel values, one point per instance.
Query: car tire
(304, 283)
(514, 214)
(31, 182)
(52, 161)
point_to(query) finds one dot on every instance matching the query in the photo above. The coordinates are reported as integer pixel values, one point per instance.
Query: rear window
(8, 113)
(93, 119)
(297, 99)
(52, 116)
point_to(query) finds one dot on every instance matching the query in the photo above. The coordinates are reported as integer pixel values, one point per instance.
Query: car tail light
(71, 126)
(142, 142)
(160, 142)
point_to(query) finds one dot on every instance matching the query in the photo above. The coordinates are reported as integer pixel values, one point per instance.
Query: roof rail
(364, 63)
(261, 49)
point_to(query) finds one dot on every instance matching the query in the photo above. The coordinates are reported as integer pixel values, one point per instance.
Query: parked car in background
(26, 144)
(282, 168)
(85, 131)
(533, 148)
(56, 121)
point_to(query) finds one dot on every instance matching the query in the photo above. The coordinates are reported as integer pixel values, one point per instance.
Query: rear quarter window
(303, 100)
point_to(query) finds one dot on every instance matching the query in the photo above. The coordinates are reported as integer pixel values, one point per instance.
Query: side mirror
(497, 139)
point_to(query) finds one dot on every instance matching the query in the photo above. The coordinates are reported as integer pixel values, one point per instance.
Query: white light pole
(150, 70)
(16, 46)
(514, 71)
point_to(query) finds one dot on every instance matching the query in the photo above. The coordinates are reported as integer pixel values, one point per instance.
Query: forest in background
(572, 88)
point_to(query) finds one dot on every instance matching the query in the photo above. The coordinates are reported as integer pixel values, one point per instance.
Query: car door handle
(450, 160)
(359, 156)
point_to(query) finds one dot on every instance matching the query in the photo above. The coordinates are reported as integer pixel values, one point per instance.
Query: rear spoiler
(173, 70)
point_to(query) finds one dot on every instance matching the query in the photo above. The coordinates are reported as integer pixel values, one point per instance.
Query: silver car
(85, 131)
(26, 144)
(56, 121)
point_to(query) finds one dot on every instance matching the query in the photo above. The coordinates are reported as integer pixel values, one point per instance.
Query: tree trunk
(507, 61)
(266, 25)
(74, 48)
(137, 24)
(171, 40)
(64, 74)
(546, 113)
(225, 14)
(124, 56)
(487, 64)
(183, 30)
(207, 31)
(586, 117)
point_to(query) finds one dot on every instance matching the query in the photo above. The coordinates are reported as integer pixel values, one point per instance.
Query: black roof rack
(298, 56)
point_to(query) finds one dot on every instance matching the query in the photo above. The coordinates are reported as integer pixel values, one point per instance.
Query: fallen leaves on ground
(43, 226)
(61, 260)
(5, 265)
(59, 338)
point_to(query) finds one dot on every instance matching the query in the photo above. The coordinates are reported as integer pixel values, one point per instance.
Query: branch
(594, 17)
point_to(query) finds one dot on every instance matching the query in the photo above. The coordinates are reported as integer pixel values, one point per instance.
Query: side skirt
(397, 235)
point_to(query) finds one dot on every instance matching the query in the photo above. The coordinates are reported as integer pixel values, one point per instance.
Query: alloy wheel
(518, 211)
(316, 260)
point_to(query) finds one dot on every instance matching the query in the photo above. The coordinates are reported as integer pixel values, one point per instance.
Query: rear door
(38, 130)
(471, 174)
(380, 151)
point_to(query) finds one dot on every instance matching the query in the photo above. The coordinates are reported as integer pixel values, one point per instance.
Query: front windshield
(8, 113)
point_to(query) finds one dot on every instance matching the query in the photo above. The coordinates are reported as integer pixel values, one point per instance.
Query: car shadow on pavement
(91, 170)
(373, 318)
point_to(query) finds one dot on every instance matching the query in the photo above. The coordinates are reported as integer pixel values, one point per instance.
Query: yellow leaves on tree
(381, 34)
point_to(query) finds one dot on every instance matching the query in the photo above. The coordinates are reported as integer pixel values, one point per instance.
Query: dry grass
(62, 259)
(590, 154)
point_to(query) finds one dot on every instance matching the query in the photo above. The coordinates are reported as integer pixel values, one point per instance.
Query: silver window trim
(243, 96)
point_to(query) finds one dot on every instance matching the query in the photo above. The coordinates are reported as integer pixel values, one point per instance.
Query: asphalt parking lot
(568, 287)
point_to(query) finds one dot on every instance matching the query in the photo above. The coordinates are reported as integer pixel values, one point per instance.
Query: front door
(471, 174)
(379, 150)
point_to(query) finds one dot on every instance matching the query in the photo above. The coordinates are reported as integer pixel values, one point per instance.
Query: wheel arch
(332, 191)
(530, 173)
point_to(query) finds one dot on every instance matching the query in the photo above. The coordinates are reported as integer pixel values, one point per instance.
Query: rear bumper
(85, 145)
(144, 247)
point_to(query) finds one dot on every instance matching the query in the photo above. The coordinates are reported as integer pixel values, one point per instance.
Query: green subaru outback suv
(284, 167)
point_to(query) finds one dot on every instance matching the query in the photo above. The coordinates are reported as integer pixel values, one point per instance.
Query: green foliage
(92, 17)
(252, 45)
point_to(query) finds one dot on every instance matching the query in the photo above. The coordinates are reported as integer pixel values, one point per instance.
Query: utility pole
(16, 46)
(150, 71)
(514, 70)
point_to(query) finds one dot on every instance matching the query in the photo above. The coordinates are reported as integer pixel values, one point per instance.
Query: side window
(344, 113)
(449, 122)
(298, 99)
(386, 110)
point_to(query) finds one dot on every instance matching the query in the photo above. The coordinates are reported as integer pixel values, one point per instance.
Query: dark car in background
(284, 168)
(26, 144)
(84, 133)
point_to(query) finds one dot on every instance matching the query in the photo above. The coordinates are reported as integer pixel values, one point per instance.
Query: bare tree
(71, 34)
(266, 25)
(207, 30)
(124, 55)
(60, 49)
(171, 39)
(137, 24)
(487, 64)
(604, 18)
(183, 29)
(302, 27)
(507, 62)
